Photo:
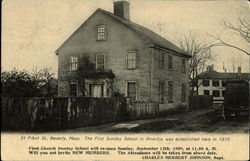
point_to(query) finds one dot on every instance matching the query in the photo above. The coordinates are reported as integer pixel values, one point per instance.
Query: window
(101, 32)
(96, 90)
(223, 83)
(161, 61)
(183, 92)
(131, 59)
(161, 91)
(216, 83)
(223, 93)
(170, 92)
(73, 63)
(73, 89)
(206, 92)
(183, 66)
(170, 62)
(216, 93)
(100, 61)
(131, 89)
(205, 83)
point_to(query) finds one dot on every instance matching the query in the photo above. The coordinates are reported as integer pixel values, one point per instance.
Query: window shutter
(126, 60)
(136, 59)
(104, 60)
(95, 61)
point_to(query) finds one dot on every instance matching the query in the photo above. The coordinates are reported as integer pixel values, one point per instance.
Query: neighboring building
(50, 89)
(212, 83)
(131, 60)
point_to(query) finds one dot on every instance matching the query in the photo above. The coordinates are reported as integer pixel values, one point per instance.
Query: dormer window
(101, 32)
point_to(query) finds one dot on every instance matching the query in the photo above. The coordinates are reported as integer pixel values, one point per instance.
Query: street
(196, 121)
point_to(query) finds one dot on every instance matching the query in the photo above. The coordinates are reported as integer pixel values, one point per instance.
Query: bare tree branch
(200, 52)
(241, 30)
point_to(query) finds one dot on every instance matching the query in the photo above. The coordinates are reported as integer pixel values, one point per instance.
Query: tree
(234, 63)
(17, 83)
(201, 54)
(86, 70)
(42, 76)
(86, 67)
(241, 30)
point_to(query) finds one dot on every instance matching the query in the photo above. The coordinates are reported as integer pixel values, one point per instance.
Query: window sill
(102, 40)
(131, 68)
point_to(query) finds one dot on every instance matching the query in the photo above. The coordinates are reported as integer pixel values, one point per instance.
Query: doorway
(96, 90)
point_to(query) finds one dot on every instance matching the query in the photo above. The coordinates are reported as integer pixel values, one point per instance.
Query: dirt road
(197, 121)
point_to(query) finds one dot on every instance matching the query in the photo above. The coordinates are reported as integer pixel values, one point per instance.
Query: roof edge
(76, 31)
(164, 48)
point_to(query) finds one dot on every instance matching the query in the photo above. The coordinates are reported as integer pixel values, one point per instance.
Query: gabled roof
(145, 33)
(212, 74)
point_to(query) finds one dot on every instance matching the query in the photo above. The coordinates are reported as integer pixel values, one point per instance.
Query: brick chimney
(121, 9)
(239, 69)
(210, 68)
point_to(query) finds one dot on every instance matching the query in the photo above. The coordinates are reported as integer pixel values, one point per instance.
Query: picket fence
(58, 113)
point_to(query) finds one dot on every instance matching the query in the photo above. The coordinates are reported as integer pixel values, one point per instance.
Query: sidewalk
(148, 125)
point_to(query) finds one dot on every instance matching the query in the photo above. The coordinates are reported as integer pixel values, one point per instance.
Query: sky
(33, 29)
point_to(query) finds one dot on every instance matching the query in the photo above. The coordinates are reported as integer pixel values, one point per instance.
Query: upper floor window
(170, 92)
(73, 63)
(216, 83)
(101, 32)
(100, 61)
(170, 62)
(161, 60)
(131, 59)
(183, 66)
(205, 83)
(161, 91)
(223, 83)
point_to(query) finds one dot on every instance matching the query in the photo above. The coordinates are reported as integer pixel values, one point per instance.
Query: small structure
(213, 83)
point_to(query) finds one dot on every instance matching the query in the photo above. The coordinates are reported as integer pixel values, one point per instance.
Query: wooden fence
(71, 112)
(200, 102)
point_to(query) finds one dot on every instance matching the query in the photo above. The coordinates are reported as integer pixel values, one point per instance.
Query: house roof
(145, 33)
(212, 74)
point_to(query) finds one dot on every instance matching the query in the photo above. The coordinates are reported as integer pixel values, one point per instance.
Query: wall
(119, 40)
(174, 75)
(200, 102)
(211, 88)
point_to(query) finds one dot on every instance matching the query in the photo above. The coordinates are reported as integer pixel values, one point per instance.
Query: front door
(96, 90)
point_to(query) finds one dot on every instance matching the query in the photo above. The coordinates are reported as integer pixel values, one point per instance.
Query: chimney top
(210, 68)
(121, 9)
(239, 69)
